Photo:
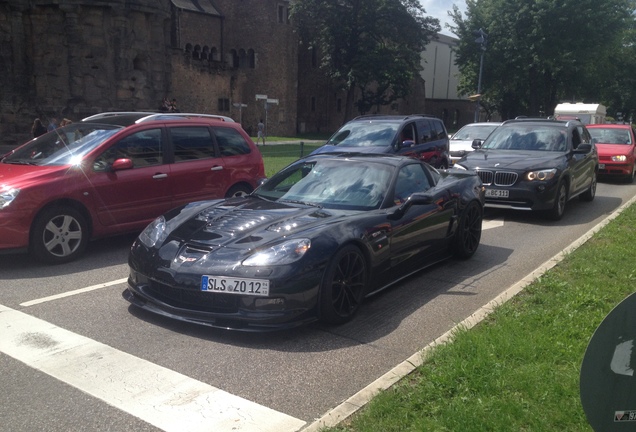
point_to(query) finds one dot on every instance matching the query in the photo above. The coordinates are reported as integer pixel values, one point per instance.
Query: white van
(587, 113)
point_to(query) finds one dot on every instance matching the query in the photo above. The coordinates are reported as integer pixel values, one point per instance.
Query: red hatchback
(616, 150)
(90, 180)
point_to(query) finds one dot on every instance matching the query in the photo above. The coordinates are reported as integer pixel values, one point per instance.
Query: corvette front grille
(192, 299)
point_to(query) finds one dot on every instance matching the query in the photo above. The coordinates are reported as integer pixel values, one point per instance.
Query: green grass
(519, 369)
(276, 157)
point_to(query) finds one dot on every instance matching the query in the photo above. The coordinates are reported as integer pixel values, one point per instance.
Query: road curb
(360, 399)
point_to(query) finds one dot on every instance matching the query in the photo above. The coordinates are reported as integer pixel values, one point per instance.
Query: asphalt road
(75, 356)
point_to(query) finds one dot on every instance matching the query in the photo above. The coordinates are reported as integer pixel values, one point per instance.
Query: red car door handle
(160, 176)
(216, 168)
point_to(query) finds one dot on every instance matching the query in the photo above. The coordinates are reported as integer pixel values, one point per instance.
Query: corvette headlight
(619, 158)
(286, 252)
(7, 195)
(541, 175)
(155, 233)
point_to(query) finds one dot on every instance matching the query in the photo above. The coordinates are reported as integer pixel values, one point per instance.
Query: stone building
(74, 58)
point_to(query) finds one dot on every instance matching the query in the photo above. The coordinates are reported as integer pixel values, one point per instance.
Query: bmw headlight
(7, 195)
(286, 252)
(155, 233)
(619, 158)
(541, 175)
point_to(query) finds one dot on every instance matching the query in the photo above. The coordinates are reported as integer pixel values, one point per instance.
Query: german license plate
(240, 286)
(497, 193)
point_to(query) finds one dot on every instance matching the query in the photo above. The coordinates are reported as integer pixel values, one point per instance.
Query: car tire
(561, 198)
(59, 235)
(468, 234)
(630, 178)
(238, 191)
(343, 286)
(590, 193)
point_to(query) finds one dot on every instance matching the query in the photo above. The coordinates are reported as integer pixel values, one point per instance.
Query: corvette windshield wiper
(310, 204)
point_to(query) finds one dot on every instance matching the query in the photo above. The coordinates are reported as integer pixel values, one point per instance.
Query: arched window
(251, 58)
(140, 64)
(205, 54)
(234, 58)
(214, 54)
(196, 54)
(188, 48)
(242, 59)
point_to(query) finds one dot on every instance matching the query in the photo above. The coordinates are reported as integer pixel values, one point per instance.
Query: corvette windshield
(527, 137)
(331, 184)
(365, 134)
(62, 146)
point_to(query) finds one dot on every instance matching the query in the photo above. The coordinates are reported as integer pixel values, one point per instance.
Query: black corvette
(310, 243)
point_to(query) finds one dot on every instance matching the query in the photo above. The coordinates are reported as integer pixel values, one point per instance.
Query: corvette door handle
(160, 176)
(216, 168)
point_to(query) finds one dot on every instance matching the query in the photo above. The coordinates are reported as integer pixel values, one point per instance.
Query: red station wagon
(91, 179)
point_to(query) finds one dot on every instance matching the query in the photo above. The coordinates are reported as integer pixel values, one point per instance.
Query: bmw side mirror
(476, 144)
(583, 148)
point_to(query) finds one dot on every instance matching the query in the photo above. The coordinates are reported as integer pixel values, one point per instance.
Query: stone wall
(71, 59)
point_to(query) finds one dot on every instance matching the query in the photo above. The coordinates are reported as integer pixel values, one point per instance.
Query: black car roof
(543, 121)
(392, 117)
(390, 159)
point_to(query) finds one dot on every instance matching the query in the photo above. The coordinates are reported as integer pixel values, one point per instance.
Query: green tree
(540, 52)
(370, 45)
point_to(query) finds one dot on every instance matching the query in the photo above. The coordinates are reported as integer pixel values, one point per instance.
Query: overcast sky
(439, 9)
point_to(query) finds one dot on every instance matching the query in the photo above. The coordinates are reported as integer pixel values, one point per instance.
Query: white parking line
(159, 396)
(74, 292)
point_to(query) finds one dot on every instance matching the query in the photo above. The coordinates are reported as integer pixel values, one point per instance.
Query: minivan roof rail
(176, 116)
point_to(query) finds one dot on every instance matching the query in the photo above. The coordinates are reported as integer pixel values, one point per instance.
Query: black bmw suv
(421, 136)
(536, 164)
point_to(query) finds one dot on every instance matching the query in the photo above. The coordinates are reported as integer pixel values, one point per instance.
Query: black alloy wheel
(590, 193)
(557, 210)
(343, 286)
(468, 234)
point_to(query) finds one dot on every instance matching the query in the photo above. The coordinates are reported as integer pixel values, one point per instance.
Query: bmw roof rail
(178, 116)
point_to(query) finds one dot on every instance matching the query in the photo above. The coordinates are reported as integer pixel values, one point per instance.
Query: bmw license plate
(240, 286)
(497, 193)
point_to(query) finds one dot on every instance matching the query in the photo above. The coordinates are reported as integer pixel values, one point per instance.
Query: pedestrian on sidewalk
(38, 128)
(261, 132)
